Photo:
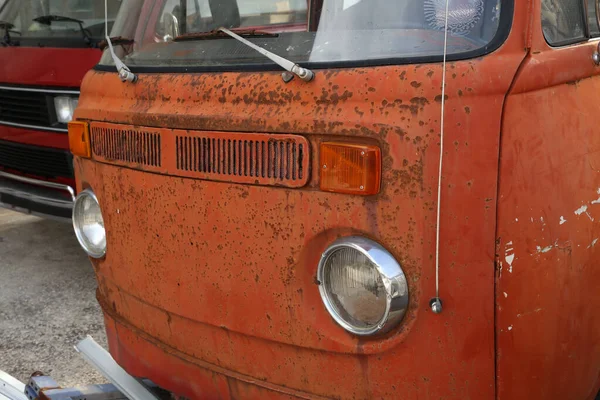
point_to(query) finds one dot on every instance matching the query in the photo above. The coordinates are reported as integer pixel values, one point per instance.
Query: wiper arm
(6, 25)
(48, 19)
(303, 73)
(293, 69)
(8, 29)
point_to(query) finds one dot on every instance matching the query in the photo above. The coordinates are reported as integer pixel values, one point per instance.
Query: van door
(547, 296)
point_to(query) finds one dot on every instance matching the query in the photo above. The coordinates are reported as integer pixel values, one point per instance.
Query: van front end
(255, 237)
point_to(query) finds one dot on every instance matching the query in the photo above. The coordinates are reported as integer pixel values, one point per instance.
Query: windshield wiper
(116, 41)
(48, 19)
(218, 34)
(8, 29)
(292, 68)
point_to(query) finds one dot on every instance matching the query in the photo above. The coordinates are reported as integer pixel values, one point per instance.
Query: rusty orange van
(259, 197)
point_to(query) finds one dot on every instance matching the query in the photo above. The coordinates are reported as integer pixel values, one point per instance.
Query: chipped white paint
(531, 219)
(509, 255)
(509, 260)
(598, 191)
(589, 216)
(510, 328)
(542, 220)
(593, 243)
(505, 294)
(581, 210)
(597, 201)
(537, 310)
(545, 249)
(517, 219)
(562, 220)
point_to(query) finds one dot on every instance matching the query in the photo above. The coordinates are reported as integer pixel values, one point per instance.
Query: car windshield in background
(72, 22)
(176, 33)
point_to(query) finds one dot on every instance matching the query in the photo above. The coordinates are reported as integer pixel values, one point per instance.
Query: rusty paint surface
(223, 275)
(547, 327)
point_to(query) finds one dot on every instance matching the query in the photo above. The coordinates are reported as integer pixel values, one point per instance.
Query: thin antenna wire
(439, 193)
(106, 17)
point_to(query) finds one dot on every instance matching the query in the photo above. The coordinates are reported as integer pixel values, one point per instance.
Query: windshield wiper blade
(48, 19)
(116, 41)
(293, 69)
(216, 34)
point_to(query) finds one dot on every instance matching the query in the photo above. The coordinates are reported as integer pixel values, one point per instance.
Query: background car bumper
(33, 196)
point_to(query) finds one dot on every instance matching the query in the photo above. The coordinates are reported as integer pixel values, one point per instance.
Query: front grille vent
(271, 158)
(247, 158)
(127, 145)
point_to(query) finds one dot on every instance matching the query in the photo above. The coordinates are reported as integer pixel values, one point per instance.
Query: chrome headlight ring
(390, 286)
(88, 224)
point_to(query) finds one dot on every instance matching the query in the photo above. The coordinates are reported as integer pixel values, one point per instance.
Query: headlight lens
(363, 286)
(89, 224)
(65, 108)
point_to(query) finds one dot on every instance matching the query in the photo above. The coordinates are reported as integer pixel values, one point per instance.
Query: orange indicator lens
(350, 168)
(79, 138)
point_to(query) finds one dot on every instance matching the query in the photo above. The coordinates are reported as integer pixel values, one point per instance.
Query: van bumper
(36, 197)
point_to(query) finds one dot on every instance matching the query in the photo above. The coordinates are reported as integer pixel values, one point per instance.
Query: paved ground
(47, 300)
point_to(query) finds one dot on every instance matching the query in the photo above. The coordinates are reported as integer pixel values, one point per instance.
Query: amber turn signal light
(350, 168)
(79, 138)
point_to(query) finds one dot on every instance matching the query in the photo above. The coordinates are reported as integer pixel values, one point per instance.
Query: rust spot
(415, 84)
(438, 98)
(468, 110)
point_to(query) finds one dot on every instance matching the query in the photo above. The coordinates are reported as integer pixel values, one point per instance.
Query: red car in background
(46, 47)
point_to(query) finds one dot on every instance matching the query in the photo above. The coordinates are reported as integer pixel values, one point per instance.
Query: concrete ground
(47, 300)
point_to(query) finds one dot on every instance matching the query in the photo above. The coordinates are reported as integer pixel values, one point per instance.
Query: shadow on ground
(47, 300)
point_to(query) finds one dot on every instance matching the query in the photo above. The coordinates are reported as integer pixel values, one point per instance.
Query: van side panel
(547, 297)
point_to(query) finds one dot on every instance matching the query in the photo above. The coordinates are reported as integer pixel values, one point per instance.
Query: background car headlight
(362, 285)
(65, 107)
(89, 225)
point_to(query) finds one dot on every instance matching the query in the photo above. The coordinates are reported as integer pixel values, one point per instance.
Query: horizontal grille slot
(277, 159)
(26, 108)
(34, 160)
(249, 158)
(127, 145)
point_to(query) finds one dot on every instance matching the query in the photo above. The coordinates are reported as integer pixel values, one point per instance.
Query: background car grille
(34, 160)
(27, 108)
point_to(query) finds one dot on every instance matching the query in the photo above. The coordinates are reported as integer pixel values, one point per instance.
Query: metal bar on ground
(11, 388)
(100, 359)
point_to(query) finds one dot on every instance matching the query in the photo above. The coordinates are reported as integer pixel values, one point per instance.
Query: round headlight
(362, 285)
(88, 224)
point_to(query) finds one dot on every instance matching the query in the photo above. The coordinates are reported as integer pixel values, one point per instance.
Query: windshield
(168, 33)
(77, 20)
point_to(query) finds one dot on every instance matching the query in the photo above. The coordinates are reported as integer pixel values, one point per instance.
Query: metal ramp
(122, 386)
